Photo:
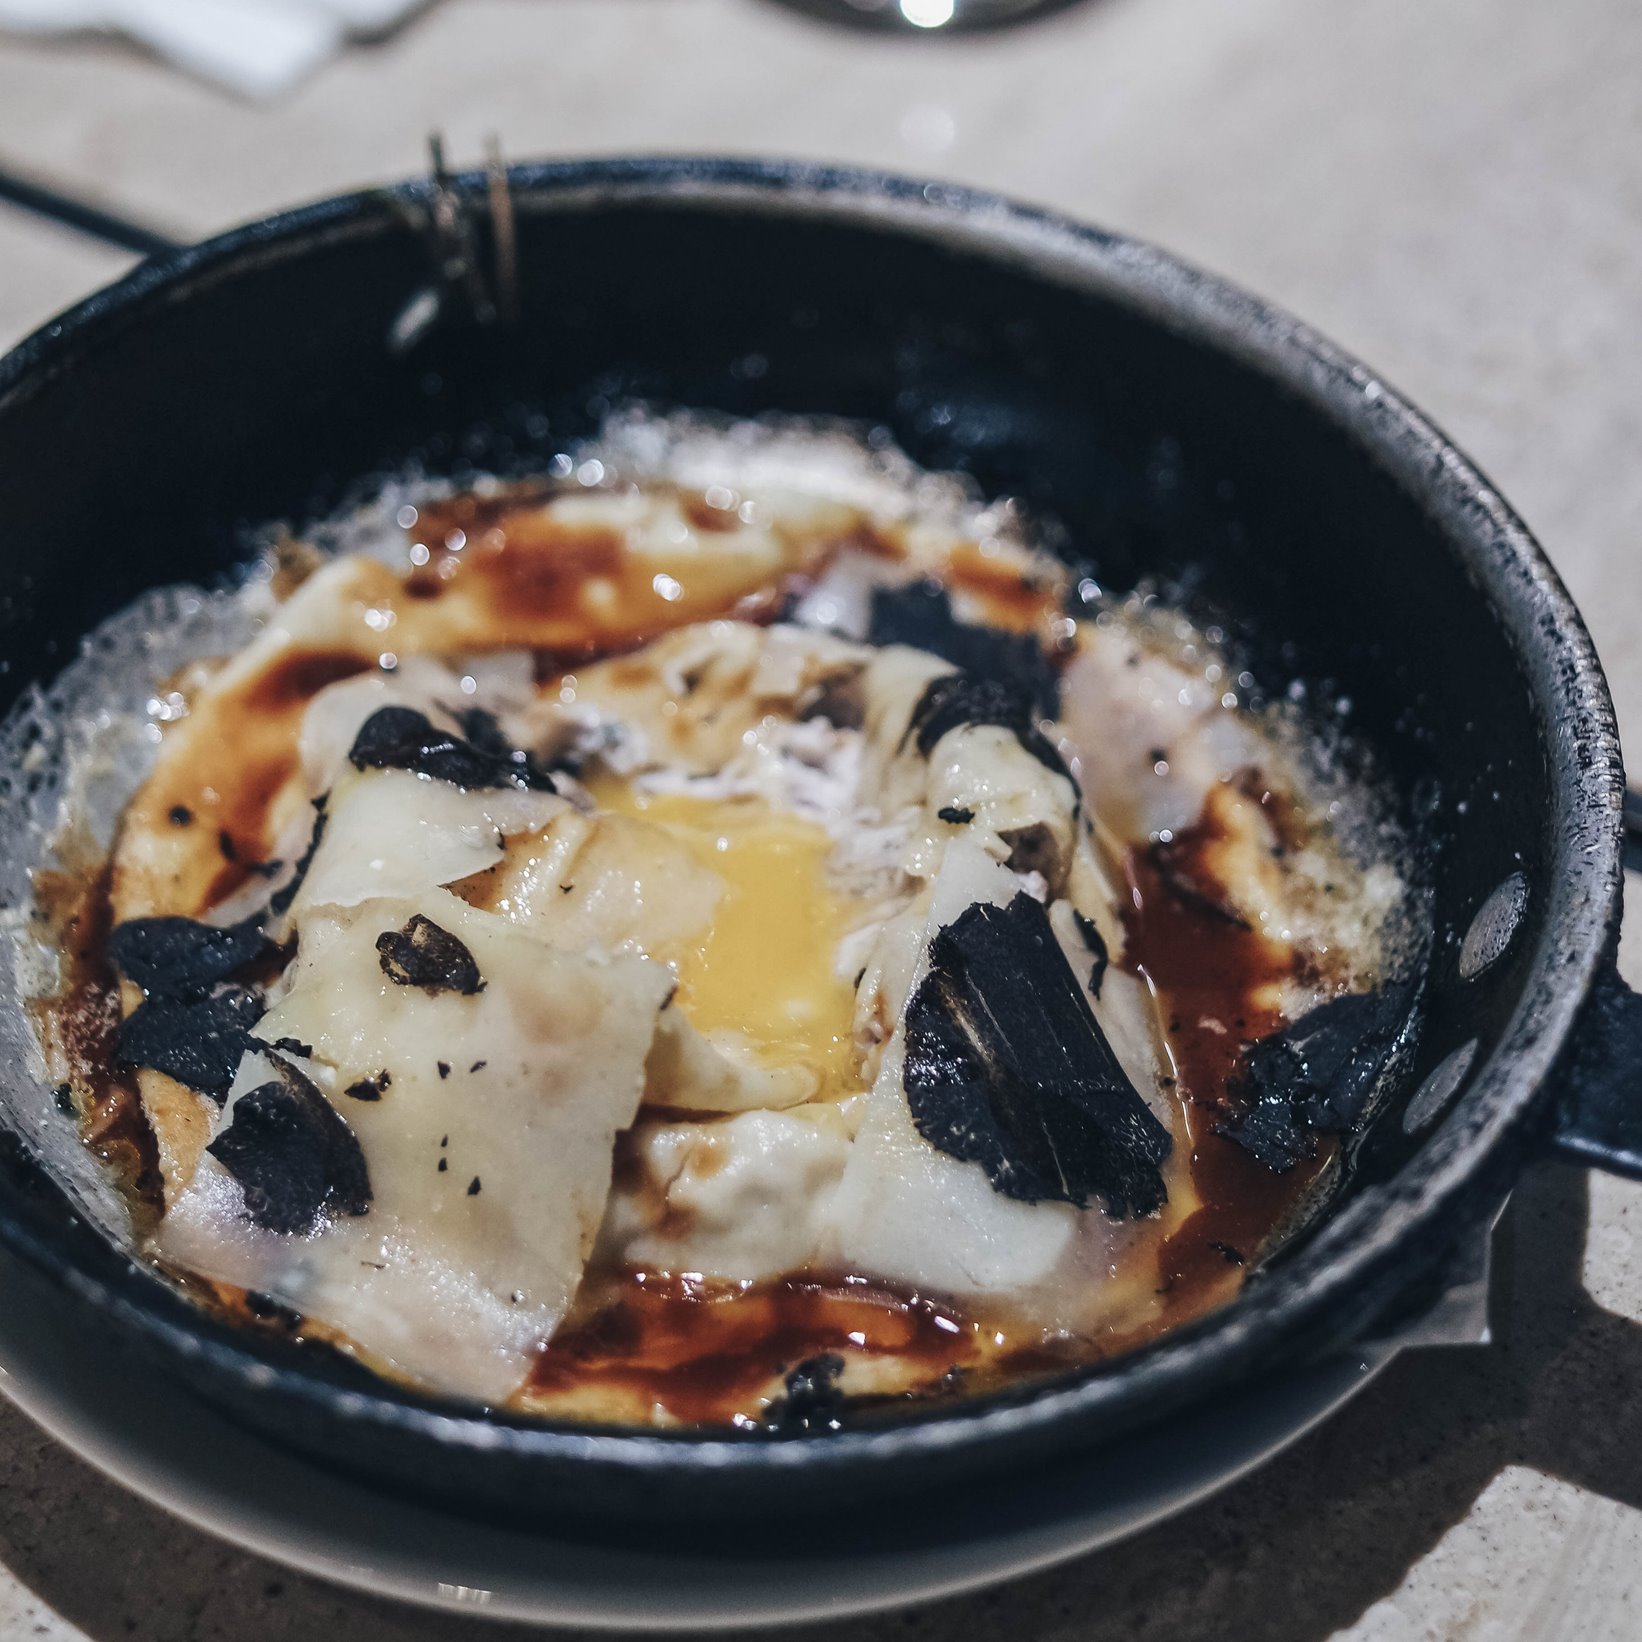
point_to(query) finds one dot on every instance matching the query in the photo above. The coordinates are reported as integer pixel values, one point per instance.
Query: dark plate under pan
(1157, 422)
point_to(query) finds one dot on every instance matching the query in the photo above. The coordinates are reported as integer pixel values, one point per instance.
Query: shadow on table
(1289, 1555)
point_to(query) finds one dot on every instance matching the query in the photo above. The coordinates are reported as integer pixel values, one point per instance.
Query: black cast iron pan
(1166, 425)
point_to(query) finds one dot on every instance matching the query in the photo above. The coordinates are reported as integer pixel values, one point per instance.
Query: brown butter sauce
(708, 1351)
(533, 575)
(242, 749)
(1217, 982)
(533, 570)
(80, 1026)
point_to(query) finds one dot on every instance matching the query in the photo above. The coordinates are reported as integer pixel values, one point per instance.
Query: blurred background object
(257, 48)
(928, 15)
(261, 48)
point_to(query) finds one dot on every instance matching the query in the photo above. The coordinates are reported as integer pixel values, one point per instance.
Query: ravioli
(615, 949)
(488, 1137)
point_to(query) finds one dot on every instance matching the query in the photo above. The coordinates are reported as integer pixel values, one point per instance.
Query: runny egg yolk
(763, 966)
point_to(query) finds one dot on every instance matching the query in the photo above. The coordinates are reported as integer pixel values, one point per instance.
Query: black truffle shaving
(956, 699)
(422, 954)
(1316, 1076)
(294, 1156)
(920, 614)
(197, 1041)
(485, 733)
(483, 730)
(270, 1310)
(400, 738)
(279, 903)
(813, 1399)
(180, 957)
(1174, 869)
(368, 1088)
(1096, 942)
(1007, 1067)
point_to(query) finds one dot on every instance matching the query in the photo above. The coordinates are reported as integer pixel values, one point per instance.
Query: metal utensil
(927, 16)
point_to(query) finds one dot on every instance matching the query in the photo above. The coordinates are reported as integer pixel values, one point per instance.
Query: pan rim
(1491, 1124)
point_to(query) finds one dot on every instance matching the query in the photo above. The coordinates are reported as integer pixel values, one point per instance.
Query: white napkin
(256, 48)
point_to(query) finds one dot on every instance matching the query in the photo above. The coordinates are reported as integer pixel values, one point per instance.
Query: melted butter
(763, 966)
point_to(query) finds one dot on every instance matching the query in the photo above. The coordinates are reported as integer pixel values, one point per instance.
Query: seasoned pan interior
(276, 378)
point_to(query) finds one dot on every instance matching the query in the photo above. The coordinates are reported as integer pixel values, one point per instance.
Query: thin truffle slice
(837, 699)
(1096, 942)
(484, 732)
(267, 1309)
(1173, 860)
(1317, 1075)
(181, 957)
(294, 1156)
(920, 615)
(1006, 1066)
(280, 902)
(400, 738)
(813, 1399)
(197, 1041)
(422, 954)
(956, 699)
(370, 1088)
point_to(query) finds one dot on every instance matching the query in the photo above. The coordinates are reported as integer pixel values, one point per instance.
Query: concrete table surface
(1454, 192)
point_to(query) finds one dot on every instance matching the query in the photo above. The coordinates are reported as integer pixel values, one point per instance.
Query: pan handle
(1599, 1118)
(87, 217)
